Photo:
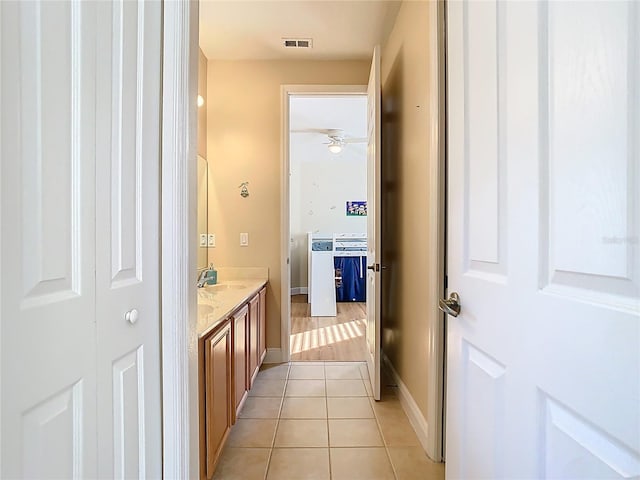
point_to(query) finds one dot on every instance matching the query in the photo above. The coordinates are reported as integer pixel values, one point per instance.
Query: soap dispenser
(211, 276)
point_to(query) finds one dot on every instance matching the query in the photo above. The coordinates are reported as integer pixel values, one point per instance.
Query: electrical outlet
(244, 239)
(203, 239)
(211, 240)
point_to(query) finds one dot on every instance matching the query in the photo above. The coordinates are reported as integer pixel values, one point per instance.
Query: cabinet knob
(131, 316)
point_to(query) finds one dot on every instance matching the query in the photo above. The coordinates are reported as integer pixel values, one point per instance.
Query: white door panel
(128, 278)
(543, 240)
(374, 223)
(79, 200)
(48, 238)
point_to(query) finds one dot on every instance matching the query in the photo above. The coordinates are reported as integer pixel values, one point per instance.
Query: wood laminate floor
(339, 338)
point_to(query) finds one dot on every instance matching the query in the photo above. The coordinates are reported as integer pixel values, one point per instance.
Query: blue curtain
(353, 287)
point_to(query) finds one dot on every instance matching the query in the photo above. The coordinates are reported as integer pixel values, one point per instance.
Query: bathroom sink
(226, 286)
(204, 309)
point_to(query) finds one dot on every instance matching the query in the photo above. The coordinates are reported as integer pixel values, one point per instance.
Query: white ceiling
(348, 113)
(253, 30)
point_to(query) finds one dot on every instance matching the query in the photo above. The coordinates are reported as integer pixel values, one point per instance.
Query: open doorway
(328, 226)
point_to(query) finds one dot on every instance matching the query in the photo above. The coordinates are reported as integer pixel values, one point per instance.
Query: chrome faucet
(208, 276)
(202, 279)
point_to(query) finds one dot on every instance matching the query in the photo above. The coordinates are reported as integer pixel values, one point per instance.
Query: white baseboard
(410, 407)
(274, 355)
(299, 290)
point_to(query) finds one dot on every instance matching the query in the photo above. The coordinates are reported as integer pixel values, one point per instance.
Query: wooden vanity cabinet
(217, 395)
(257, 334)
(262, 325)
(240, 323)
(254, 339)
(229, 359)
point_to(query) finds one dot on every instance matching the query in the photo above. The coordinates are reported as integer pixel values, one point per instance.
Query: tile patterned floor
(317, 421)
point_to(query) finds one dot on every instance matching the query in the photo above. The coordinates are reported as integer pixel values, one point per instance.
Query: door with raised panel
(128, 248)
(218, 397)
(374, 250)
(254, 339)
(543, 227)
(262, 328)
(48, 329)
(240, 356)
(79, 89)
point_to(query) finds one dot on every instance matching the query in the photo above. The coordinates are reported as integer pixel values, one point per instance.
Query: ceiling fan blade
(323, 131)
(355, 140)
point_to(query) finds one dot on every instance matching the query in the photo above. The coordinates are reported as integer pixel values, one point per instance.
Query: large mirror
(203, 174)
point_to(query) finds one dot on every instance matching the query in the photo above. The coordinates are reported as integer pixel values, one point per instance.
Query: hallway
(317, 420)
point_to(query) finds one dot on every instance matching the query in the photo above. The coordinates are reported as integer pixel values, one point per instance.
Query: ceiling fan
(337, 138)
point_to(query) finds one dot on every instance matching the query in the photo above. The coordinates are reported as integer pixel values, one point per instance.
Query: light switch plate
(203, 239)
(244, 239)
(211, 240)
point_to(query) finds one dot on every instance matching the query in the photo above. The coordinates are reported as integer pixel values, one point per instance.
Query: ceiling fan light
(335, 147)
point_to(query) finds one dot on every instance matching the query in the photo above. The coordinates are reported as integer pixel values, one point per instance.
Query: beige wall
(406, 133)
(243, 142)
(325, 185)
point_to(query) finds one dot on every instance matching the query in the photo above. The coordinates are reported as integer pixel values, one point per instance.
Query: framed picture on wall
(356, 209)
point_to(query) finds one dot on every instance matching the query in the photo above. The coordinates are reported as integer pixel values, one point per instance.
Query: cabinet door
(262, 325)
(240, 320)
(254, 320)
(218, 398)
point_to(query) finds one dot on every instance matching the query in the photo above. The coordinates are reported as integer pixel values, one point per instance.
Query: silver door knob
(450, 306)
(131, 316)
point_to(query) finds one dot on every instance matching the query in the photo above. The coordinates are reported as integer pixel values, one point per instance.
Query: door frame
(286, 92)
(437, 408)
(178, 234)
(178, 240)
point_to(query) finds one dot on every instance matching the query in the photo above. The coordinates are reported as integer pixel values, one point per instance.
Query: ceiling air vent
(297, 42)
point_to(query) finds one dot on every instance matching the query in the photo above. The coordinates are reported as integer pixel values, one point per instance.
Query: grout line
(275, 432)
(326, 405)
(384, 440)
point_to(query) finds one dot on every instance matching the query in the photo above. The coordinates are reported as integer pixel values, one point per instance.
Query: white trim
(436, 340)
(410, 407)
(273, 355)
(285, 228)
(299, 290)
(1, 309)
(179, 353)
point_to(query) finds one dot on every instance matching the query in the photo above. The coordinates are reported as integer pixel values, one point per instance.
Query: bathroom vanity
(231, 347)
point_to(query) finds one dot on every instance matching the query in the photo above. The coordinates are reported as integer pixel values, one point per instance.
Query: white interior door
(48, 380)
(127, 254)
(373, 224)
(79, 197)
(543, 240)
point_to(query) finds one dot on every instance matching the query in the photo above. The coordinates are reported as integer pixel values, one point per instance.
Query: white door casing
(286, 92)
(373, 224)
(75, 213)
(543, 216)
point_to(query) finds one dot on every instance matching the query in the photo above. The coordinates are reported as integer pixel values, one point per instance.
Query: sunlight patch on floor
(328, 335)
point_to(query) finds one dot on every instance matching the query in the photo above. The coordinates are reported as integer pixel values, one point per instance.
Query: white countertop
(217, 302)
